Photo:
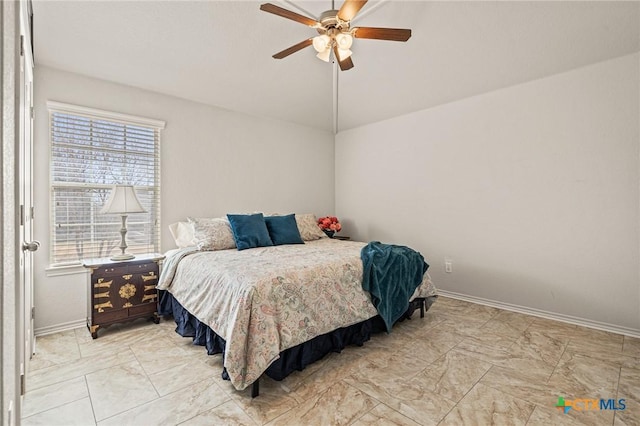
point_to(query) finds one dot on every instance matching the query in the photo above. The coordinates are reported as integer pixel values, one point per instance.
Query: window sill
(57, 271)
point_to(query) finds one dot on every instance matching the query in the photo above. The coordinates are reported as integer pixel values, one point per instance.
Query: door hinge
(32, 113)
(22, 387)
(33, 212)
(33, 312)
(21, 45)
(21, 215)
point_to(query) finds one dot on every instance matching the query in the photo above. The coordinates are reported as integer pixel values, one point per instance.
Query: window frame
(157, 126)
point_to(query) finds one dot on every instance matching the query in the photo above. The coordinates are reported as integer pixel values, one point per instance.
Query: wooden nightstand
(122, 290)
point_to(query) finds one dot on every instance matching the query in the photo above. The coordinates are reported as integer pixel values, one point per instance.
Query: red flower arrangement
(329, 224)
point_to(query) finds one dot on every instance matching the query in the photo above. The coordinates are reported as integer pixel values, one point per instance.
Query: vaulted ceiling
(219, 52)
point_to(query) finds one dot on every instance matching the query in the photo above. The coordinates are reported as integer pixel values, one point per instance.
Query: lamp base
(123, 256)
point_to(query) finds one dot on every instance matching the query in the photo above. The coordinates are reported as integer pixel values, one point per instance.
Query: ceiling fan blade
(345, 64)
(393, 34)
(293, 49)
(277, 10)
(350, 8)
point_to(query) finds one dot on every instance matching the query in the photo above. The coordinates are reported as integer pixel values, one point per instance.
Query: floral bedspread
(263, 301)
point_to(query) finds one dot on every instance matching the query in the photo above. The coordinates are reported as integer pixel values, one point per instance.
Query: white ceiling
(219, 52)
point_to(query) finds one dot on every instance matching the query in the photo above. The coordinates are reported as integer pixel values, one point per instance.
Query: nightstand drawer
(109, 315)
(145, 308)
(111, 271)
(143, 267)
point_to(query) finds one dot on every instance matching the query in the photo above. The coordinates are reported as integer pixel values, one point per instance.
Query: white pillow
(212, 233)
(308, 227)
(183, 234)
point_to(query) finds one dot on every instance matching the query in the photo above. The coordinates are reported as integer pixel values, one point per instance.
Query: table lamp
(123, 200)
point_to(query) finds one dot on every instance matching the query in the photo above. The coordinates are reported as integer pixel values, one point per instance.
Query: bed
(273, 309)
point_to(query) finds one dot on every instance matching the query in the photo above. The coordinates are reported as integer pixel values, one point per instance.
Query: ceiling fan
(335, 33)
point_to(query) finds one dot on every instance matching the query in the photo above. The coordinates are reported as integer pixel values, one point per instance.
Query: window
(92, 150)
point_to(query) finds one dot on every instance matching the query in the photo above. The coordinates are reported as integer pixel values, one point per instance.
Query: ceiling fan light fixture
(321, 43)
(335, 32)
(344, 41)
(343, 54)
(324, 55)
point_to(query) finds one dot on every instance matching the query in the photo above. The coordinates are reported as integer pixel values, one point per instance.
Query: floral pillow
(212, 233)
(308, 227)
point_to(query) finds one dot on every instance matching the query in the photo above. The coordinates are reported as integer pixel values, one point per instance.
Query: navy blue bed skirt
(296, 358)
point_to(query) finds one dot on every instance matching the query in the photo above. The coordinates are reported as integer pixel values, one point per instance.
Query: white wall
(213, 162)
(532, 190)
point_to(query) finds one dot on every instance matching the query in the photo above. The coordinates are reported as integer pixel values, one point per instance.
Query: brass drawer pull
(151, 276)
(127, 291)
(100, 306)
(149, 297)
(101, 295)
(102, 284)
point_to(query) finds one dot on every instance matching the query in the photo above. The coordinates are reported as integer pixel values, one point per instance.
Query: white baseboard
(544, 314)
(43, 331)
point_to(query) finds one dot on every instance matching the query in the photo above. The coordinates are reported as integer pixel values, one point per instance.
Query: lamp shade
(344, 40)
(122, 200)
(321, 42)
(324, 55)
(344, 54)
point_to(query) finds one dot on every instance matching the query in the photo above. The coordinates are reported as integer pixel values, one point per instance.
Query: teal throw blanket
(391, 275)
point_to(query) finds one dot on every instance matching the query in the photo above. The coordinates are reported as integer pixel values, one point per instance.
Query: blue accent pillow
(249, 230)
(283, 229)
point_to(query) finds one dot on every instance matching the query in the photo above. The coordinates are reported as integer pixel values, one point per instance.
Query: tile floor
(463, 364)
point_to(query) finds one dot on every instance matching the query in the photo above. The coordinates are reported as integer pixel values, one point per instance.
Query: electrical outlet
(448, 266)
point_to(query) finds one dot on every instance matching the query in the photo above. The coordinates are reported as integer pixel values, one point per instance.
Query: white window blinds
(92, 150)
